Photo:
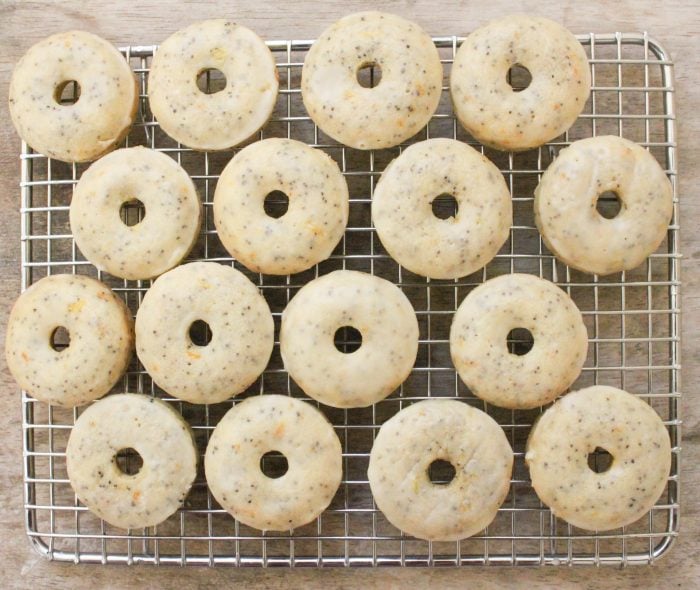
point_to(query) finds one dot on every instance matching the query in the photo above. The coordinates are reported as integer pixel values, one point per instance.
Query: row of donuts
(242, 337)
(399, 462)
(318, 207)
(363, 118)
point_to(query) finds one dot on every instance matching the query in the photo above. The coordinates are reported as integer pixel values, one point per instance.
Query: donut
(315, 219)
(424, 243)
(479, 333)
(168, 229)
(391, 112)
(262, 424)
(448, 430)
(498, 115)
(101, 339)
(222, 119)
(566, 198)
(242, 332)
(157, 433)
(104, 111)
(618, 422)
(378, 310)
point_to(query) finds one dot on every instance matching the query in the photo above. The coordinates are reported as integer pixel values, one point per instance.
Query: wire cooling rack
(632, 320)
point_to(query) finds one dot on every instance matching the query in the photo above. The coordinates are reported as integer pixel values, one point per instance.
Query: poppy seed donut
(566, 205)
(267, 423)
(393, 111)
(478, 341)
(219, 120)
(447, 430)
(101, 339)
(491, 110)
(157, 433)
(104, 111)
(419, 240)
(169, 227)
(242, 332)
(373, 306)
(313, 223)
(622, 424)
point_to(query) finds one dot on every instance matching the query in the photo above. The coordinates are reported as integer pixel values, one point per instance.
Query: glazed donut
(266, 423)
(242, 332)
(104, 111)
(378, 310)
(566, 198)
(449, 430)
(313, 223)
(622, 424)
(169, 227)
(393, 111)
(506, 119)
(101, 339)
(162, 439)
(480, 330)
(420, 241)
(223, 119)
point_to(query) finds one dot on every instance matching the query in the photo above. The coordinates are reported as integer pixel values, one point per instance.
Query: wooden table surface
(675, 23)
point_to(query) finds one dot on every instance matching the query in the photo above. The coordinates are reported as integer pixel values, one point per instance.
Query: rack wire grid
(632, 319)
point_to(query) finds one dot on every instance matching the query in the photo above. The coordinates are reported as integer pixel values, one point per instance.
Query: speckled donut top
(566, 204)
(169, 226)
(315, 219)
(612, 419)
(101, 339)
(403, 101)
(104, 111)
(486, 104)
(242, 332)
(223, 119)
(414, 236)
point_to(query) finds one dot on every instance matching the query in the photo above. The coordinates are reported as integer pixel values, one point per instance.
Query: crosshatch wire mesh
(632, 320)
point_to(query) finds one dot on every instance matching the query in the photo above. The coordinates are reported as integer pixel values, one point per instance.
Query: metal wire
(632, 318)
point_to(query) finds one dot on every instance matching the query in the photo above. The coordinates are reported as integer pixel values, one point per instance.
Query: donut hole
(347, 339)
(132, 212)
(128, 461)
(60, 339)
(520, 341)
(274, 464)
(441, 472)
(369, 74)
(67, 92)
(200, 333)
(211, 80)
(600, 460)
(276, 204)
(518, 77)
(609, 204)
(444, 206)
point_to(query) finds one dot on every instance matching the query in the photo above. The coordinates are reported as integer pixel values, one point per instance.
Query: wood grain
(675, 24)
